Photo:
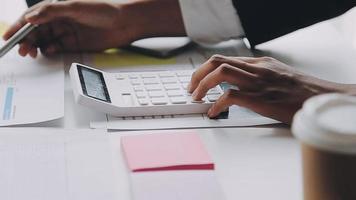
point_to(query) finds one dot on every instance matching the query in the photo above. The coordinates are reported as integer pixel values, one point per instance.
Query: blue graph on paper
(8, 103)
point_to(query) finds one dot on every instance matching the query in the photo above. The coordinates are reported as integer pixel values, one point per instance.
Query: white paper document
(36, 165)
(31, 90)
(176, 185)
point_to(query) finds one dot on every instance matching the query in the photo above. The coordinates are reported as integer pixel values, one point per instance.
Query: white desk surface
(252, 163)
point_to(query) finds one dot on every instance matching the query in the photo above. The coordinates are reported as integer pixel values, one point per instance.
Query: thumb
(50, 12)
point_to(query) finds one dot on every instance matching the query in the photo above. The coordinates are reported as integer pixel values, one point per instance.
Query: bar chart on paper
(9, 108)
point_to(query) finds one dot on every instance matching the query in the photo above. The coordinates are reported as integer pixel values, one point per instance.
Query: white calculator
(138, 93)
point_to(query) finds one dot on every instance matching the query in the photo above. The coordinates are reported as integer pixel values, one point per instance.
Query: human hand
(96, 25)
(266, 86)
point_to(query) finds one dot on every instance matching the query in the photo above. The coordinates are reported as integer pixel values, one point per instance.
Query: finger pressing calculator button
(171, 87)
(153, 87)
(197, 101)
(143, 102)
(169, 80)
(174, 93)
(213, 98)
(153, 94)
(159, 101)
(178, 100)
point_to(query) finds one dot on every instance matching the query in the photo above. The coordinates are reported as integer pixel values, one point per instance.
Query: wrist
(321, 86)
(154, 18)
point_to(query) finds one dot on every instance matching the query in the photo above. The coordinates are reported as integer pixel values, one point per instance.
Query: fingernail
(209, 112)
(194, 95)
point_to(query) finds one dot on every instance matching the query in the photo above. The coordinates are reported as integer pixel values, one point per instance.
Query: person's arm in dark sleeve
(265, 20)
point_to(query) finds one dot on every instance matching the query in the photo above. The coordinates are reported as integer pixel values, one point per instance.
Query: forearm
(155, 18)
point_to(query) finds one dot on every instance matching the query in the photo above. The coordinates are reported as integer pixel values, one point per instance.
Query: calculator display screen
(93, 84)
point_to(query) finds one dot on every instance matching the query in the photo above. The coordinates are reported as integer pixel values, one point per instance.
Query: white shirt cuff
(211, 21)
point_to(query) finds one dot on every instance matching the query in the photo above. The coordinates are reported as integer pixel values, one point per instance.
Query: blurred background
(346, 23)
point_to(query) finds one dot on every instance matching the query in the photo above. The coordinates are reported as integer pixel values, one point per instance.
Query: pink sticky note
(166, 151)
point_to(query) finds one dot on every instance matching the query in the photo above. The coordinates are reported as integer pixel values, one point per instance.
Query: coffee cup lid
(329, 122)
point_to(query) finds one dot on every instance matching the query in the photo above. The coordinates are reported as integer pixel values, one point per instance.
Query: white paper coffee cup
(326, 127)
(328, 122)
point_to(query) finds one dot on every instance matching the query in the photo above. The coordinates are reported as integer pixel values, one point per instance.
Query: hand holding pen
(95, 25)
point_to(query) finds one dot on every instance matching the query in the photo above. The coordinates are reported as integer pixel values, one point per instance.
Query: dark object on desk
(32, 2)
(161, 47)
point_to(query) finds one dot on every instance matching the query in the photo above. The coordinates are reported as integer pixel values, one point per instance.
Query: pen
(18, 36)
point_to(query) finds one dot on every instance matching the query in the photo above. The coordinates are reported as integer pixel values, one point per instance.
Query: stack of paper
(170, 166)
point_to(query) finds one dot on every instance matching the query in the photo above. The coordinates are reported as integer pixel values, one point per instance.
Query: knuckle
(230, 93)
(224, 69)
(217, 58)
(268, 59)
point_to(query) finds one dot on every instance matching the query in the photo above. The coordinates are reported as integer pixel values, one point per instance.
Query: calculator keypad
(165, 88)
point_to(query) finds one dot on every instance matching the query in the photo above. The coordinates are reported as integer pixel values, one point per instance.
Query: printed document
(31, 90)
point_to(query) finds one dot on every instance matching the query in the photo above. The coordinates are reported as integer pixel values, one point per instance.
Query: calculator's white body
(119, 94)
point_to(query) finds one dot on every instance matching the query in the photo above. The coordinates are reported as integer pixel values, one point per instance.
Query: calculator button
(138, 88)
(153, 87)
(150, 81)
(166, 74)
(213, 98)
(143, 102)
(153, 94)
(135, 82)
(120, 76)
(174, 93)
(148, 76)
(178, 100)
(169, 80)
(171, 87)
(185, 79)
(184, 73)
(213, 91)
(159, 101)
(141, 95)
(185, 86)
(133, 76)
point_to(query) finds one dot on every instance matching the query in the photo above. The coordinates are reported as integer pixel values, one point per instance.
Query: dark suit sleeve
(264, 20)
(32, 2)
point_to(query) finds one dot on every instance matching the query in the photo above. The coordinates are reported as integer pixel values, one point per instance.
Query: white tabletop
(252, 163)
